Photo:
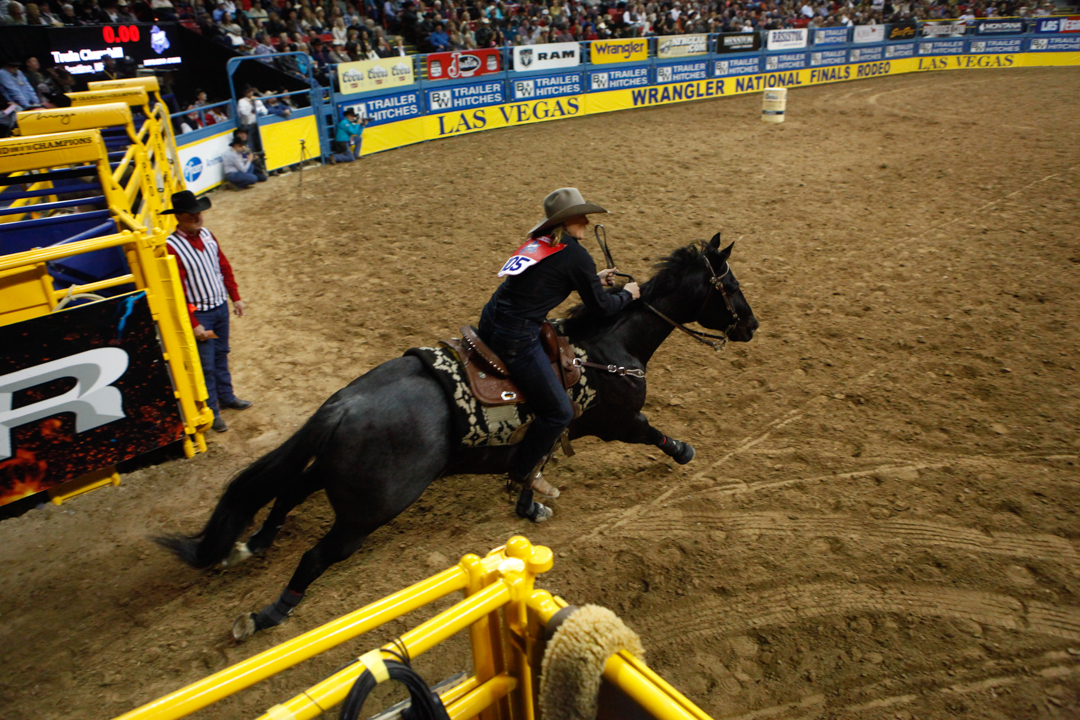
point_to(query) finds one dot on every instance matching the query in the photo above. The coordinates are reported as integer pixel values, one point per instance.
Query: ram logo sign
(547, 57)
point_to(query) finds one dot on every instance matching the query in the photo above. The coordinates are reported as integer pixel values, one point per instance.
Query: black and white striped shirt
(204, 284)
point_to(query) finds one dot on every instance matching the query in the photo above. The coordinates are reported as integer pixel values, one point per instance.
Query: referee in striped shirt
(208, 283)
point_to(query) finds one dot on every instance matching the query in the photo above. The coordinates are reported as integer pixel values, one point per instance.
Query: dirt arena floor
(882, 518)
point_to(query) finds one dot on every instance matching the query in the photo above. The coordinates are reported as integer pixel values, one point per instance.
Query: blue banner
(737, 66)
(942, 47)
(464, 97)
(386, 108)
(997, 26)
(900, 50)
(1011, 45)
(1056, 44)
(828, 57)
(790, 61)
(1057, 25)
(682, 72)
(830, 36)
(867, 54)
(619, 79)
(545, 87)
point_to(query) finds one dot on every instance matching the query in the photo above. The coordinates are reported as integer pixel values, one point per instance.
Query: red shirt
(226, 269)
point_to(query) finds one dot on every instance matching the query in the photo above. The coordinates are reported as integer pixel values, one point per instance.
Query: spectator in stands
(16, 87)
(208, 282)
(438, 40)
(15, 14)
(275, 107)
(36, 78)
(190, 122)
(348, 138)
(249, 108)
(239, 166)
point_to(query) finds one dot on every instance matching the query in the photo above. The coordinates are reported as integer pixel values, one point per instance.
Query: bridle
(716, 282)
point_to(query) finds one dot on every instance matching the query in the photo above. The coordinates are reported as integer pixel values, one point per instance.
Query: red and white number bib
(532, 252)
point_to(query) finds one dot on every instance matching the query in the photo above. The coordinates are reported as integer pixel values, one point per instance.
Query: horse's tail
(255, 486)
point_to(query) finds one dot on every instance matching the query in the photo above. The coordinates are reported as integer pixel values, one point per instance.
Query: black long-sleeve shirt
(540, 289)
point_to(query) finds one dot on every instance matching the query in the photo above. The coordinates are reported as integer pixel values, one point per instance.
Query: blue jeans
(214, 356)
(352, 150)
(517, 343)
(245, 179)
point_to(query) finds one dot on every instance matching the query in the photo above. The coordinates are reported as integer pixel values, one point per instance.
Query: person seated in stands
(16, 86)
(275, 107)
(191, 121)
(348, 138)
(239, 166)
(438, 39)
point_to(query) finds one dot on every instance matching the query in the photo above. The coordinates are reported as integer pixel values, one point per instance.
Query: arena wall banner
(682, 72)
(288, 141)
(368, 75)
(553, 56)
(546, 86)
(201, 161)
(498, 116)
(996, 46)
(461, 97)
(868, 34)
(787, 61)
(787, 39)
(830, 36)
(464, 64)
(673, 46)
(1057, 25)
(995, 26)
(618, 79)
(81, 390)
(1056, 44)
(823, 58)
(737, 66)
(941, 47)
(902, 31)
(947, 28)
(866, 54)
(738, 42)
(602, 52)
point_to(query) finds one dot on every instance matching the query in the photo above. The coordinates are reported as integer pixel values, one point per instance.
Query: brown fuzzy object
(574, 662)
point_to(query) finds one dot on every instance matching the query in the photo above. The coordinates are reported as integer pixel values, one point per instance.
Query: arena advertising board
(866, 54)
(904, 50)
(201, 161)
(464, 64)
(942, 47)
(787, 61)
(737, 66)
(460, 97)
(507, 115)
(672, 46)
(995, 26)
(547, 86)
(828, 57)
(619, 79)
(80, 390)
(830, 36)
(1058, 25)
(868, 34)
(738, 42)
(1056, 44)
(787, 39)
(368, 75)
(996, 45)
(682, 72)
(552, 56)
(907, 30)
(386, 108)
(618, 51)
(946, 28)
(82, 50)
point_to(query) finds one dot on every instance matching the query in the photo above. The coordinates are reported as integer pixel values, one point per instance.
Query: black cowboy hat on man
(186, 202)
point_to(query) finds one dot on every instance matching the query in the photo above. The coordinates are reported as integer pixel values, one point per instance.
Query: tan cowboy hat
(563, 204)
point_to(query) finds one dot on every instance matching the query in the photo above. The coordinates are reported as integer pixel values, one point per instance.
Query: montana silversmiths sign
(738, 42)
(999, 27)
(681, 45)
(787, 39)
(547, 57)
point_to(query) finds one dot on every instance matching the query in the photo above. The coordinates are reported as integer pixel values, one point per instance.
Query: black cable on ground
(426, 704)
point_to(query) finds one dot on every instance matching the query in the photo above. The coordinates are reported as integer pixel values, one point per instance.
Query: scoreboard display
(83, 50)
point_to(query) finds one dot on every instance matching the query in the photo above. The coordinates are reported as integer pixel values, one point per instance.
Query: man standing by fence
(208, 282)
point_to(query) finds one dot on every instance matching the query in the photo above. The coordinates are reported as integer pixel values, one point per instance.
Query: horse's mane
(671, 272)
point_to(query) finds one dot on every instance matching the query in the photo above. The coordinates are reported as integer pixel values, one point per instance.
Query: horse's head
(725, 307)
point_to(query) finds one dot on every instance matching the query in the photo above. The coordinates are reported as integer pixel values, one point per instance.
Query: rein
(715, 282)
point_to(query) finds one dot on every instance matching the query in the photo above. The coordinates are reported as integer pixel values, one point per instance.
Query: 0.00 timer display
(124, 33)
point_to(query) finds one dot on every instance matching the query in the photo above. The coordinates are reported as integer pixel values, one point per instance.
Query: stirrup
(542, 487)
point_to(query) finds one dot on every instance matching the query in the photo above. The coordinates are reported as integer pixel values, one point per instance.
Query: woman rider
(543, 273)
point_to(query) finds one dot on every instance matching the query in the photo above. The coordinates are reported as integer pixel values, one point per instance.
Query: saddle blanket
(474, 424)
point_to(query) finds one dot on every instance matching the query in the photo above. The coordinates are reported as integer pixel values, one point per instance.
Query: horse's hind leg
(264, 537)
(640, 431)
(344, 538)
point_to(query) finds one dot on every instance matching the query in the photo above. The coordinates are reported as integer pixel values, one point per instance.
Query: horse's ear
(726, 252)
(715, 242)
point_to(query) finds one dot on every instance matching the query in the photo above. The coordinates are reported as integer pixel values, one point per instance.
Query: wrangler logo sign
(618, 51)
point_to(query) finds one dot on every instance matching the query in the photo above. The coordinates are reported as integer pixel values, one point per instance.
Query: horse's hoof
(541, 513)
(682, 453)
(244, 627)
(239, 554)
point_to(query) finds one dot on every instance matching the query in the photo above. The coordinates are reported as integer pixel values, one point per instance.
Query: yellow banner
(618, 51)
(367, 75)
(377, 138)
(42, 122)
(497, 116)
(44, 151)
(282, 141)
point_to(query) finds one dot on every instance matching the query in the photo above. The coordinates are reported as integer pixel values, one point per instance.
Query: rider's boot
(542, 487)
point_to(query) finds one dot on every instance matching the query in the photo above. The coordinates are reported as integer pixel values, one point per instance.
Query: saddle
(488, 376)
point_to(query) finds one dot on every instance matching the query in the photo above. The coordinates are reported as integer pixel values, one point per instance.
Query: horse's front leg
(640, 431)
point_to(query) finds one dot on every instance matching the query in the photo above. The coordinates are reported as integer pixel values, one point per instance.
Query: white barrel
(773, 103)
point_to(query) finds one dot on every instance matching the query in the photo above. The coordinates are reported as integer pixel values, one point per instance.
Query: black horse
(375, 445)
